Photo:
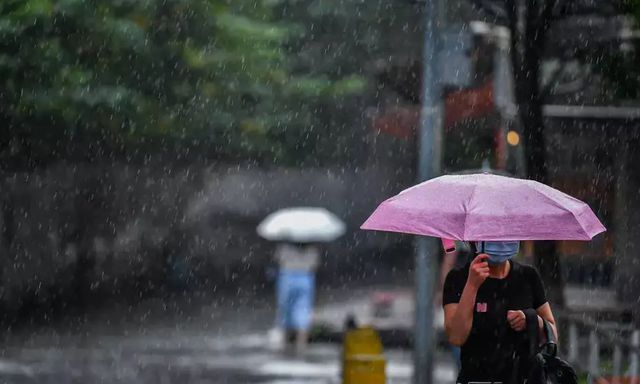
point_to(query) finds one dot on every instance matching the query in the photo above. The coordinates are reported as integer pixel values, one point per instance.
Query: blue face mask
(498, 251)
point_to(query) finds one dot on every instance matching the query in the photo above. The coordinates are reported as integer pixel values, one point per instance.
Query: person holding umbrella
(295, 289)
(457, 255)
(298, 231)
(484, 305)
(485, 302)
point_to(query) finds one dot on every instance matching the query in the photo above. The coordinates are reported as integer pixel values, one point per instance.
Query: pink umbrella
(486, 207)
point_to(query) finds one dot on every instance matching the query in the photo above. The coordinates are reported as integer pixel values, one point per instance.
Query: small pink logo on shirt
(481, 307)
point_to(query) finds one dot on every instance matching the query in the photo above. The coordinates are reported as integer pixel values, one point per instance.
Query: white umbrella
(301, 224)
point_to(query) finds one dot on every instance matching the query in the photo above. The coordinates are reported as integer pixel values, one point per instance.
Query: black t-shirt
(488, 352)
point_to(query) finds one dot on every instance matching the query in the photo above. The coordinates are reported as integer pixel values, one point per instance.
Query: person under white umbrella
(298, 232)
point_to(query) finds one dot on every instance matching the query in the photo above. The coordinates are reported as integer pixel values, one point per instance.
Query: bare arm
(447, 265)
(518, 321)
(458, 317)
(544, 312)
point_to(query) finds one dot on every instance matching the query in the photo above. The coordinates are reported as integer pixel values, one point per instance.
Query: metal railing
(608, 352)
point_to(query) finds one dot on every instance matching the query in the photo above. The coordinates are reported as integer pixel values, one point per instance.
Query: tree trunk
(528, 22)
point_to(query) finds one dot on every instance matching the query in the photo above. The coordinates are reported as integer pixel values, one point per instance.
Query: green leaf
(244, 28)
(34, 8)
(349, 86)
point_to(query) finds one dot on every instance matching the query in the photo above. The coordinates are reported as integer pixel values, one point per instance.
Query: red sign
(400, 121)
(403, 121)
(468, 104)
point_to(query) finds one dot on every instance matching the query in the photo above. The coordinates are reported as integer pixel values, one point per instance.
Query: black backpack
(541, 364)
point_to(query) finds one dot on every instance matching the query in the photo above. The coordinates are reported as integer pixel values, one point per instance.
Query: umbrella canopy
(486, 207)
(301, 224)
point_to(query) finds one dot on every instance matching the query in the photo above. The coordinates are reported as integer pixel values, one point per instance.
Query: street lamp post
(430, 143)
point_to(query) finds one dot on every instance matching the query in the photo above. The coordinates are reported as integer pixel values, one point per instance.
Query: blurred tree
(621, 68)
(91, 78)
(529, 23)
(350, 42)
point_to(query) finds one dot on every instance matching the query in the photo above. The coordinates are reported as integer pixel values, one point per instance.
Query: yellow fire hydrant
(363, 361)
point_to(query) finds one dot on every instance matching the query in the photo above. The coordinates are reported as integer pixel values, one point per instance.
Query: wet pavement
(185, 340)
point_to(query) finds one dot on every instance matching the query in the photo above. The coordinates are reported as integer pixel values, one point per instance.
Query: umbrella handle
(448, 245)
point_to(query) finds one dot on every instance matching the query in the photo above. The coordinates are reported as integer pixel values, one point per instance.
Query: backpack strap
(548, 331)
(523, 358)
(550, 346)
(532, 330)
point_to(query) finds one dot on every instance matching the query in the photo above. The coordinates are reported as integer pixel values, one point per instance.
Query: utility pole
(430, 143)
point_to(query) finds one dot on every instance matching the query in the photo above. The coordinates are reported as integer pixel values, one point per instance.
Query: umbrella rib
(580, 222)
(549, 198)
(466, 211)
(561, 206)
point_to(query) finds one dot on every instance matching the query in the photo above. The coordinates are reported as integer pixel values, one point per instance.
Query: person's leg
(302, 339)
(284, 311)
(291, 324)
(281, 297)
(304, 309)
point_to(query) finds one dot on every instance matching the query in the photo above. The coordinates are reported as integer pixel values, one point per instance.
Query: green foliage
(344, 46)
(225, 74)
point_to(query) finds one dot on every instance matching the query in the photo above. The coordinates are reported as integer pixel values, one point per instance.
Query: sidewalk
(189, 340)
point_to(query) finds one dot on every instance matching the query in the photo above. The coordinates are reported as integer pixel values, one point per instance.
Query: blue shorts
(295, 291)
